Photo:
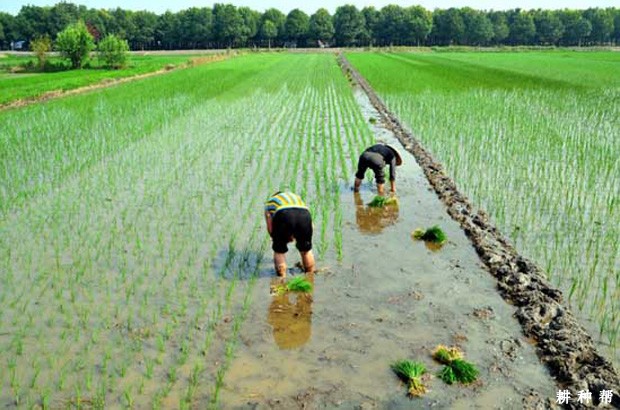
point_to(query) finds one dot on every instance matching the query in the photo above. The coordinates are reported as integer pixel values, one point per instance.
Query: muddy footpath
(560, 342)
(392, 298)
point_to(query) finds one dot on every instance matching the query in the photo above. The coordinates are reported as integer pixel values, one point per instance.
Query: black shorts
(295, 223)
(374, 161)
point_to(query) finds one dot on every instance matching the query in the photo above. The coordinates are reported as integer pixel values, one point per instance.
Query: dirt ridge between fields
(562, 344)
(54, 94)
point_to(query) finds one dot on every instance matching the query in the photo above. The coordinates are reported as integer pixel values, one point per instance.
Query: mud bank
(562, 344)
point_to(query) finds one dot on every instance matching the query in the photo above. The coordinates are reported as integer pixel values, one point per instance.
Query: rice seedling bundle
(381, 201)
(433, 234)
(410, 373)
(456, 369)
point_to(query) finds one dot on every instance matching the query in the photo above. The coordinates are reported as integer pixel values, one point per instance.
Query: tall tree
(478, 28)
(7, 31)
(297, 26)
(32, 21)
(121, 23)
(278, 19)
(321, 26)
(417, 24)
(372, 19)
(522, 28)
(616, 26)
(195, 27)
(602, 21)
(251, 22)
(97, 21)
(228, 26)
(142, 32)
(268, 31)
(391, 27)
(167, 31)
(349, 25)
(576, 28)
(500, 26)
(448, 27)
(549, 27)
(61, 15)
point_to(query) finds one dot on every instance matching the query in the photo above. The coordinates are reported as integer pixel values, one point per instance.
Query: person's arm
(268, 222)
(393, 175)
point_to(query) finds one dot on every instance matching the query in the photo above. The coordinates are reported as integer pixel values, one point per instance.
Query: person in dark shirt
(376, 158)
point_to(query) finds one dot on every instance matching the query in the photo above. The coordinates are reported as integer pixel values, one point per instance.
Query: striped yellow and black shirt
(283, 200)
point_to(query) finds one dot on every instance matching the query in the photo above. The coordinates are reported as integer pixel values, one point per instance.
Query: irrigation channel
(139, 272)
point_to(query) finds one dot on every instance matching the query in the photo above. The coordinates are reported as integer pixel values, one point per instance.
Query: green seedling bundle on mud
(433, 234)
(297, 284)
(381, 201)
(410, 373)
(456, 369)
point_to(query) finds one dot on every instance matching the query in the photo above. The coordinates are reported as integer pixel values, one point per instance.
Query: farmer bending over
(288, 218)
(375, 158)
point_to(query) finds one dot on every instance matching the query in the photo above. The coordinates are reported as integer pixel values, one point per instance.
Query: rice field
(533, 138)
(24, 84)
(131, 225)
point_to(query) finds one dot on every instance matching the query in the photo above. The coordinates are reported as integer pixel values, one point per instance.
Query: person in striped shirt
(288, 219)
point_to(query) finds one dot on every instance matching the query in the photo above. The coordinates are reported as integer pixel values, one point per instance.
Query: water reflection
(290, 316)
(433, 246)
(373, 220)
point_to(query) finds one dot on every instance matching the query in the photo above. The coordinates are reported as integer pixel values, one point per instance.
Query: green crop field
(131, 224)
(26, 84)
(533, 138)
(132, 237)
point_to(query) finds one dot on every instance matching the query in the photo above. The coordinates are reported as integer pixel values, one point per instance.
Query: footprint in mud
(484, 313)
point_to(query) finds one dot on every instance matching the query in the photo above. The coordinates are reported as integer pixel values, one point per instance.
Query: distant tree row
(225, 25)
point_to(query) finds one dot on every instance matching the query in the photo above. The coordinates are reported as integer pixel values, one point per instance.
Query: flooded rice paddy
(143, 278)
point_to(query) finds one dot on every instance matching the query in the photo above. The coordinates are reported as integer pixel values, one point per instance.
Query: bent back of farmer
(376, 158)
(288, 219)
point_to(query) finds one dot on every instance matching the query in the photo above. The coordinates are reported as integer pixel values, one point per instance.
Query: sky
(310, 6)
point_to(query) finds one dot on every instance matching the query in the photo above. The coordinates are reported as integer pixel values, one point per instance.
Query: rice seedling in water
(456, 369)
(410, 373)
(433, 234)
(299, 284)
(381, 201)
(444, 354)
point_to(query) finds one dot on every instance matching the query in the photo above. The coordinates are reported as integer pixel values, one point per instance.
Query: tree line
(225, 25)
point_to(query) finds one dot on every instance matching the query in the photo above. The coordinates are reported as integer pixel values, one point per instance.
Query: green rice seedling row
(533, 139)
(25, 84)
(132, 231)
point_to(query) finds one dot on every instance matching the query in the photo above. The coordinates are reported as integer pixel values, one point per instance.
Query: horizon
(310, 7)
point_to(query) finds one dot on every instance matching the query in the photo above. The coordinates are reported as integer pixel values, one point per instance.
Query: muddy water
(390, 298)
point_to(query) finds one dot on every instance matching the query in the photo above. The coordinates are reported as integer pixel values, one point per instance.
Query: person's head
(399, 160)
